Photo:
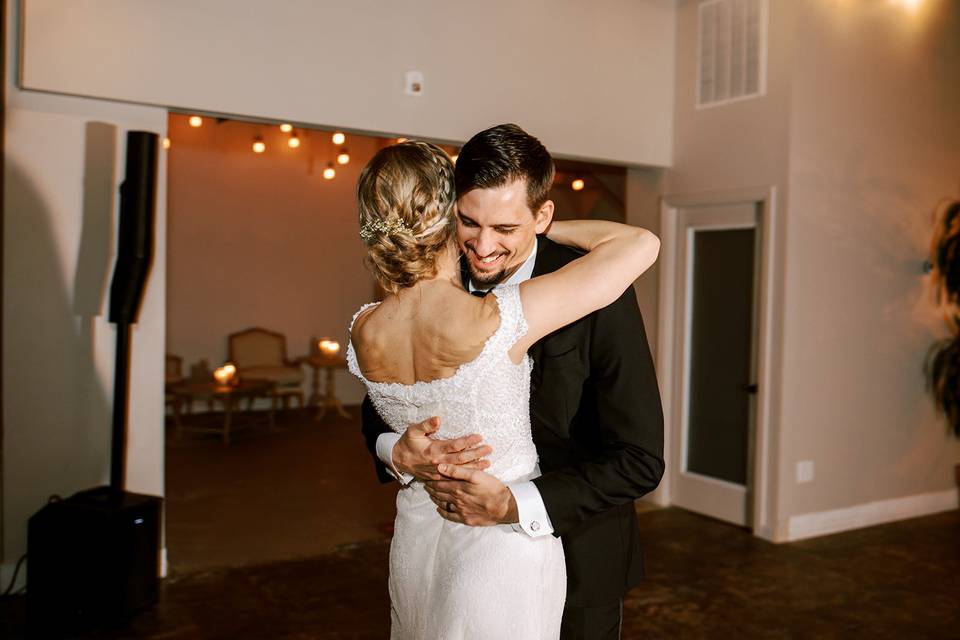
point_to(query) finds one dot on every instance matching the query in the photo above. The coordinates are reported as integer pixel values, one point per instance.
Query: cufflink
(534, 526)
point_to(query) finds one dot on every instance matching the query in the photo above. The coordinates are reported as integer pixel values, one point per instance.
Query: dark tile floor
(706, 579)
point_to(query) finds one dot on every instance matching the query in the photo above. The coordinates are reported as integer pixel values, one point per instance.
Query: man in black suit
(595, 407)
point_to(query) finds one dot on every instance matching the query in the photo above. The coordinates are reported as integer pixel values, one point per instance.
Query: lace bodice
(490, 395)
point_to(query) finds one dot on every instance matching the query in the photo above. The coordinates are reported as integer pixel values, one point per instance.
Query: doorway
(712, 354)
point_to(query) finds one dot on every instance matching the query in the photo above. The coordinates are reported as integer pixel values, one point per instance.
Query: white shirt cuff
(385, 444)
(534, 520)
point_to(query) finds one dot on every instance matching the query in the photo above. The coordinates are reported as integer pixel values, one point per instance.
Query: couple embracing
(521, 425)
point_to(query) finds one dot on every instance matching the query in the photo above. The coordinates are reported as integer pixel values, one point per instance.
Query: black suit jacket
(598, 427)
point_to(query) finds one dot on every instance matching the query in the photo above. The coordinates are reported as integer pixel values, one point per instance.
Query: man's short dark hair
(501, 155)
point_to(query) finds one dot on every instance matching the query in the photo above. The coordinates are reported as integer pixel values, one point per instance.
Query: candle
(329, 348)
(225, 374)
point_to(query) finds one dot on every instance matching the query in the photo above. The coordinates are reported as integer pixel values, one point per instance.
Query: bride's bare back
(423, 333)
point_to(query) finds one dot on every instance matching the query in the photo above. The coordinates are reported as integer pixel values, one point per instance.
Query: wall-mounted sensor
(414, 83)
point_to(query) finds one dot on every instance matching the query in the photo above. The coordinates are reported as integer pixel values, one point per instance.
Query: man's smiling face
(496, 230)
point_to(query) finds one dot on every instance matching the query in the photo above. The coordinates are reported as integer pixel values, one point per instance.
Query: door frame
(764, 462)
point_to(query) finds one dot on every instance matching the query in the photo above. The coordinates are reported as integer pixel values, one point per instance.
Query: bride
(432, 349)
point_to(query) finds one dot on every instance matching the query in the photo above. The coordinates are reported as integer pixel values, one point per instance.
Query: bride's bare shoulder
(369, 323)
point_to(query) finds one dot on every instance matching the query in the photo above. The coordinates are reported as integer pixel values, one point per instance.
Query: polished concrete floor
(706, 579)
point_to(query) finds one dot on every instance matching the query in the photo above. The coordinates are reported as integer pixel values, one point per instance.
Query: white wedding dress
(449, 581)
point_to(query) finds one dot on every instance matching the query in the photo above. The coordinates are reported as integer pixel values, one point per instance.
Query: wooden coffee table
(229, 396)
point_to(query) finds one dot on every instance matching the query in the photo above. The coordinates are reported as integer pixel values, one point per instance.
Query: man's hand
(472, 497)
(418, 454)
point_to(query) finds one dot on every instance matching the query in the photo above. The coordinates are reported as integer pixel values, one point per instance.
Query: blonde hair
(406, 198)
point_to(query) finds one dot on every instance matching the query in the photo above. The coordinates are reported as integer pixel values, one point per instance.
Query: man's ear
(544, 216)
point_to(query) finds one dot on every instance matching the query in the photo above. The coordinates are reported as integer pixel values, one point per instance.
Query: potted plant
(942, 366)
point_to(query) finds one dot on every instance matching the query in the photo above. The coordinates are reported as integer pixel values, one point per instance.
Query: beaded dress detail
(449, 580)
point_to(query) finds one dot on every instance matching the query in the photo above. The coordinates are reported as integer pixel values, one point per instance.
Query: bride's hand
(472, 497)
(417, 454)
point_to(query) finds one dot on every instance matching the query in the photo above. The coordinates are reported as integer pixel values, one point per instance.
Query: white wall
(262, 240)
(60, 178)
(595, 78)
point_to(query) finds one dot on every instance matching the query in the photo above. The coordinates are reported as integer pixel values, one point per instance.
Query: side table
(327, 400)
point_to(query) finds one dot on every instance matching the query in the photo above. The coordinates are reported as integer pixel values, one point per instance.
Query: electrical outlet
(413, 83)
(805, 471)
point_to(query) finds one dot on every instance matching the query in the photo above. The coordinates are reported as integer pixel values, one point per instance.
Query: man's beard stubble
(488, 279)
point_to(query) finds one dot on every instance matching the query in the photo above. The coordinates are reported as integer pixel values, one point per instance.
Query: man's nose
(485, 243)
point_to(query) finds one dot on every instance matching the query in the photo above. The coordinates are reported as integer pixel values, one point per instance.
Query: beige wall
(595, 78)
(874, 144)
(736, 146)
(859, 134)
(61, 174)
(262, 240)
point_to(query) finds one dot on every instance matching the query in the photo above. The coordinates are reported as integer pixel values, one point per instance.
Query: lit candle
(222, 376)
(329, 348)
(225, 374)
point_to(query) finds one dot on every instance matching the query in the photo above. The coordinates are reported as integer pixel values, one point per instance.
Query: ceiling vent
(732, 47)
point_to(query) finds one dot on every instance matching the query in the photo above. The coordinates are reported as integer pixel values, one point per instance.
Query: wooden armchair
(261, 354)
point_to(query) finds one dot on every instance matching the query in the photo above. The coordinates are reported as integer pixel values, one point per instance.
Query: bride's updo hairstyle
(406, 197)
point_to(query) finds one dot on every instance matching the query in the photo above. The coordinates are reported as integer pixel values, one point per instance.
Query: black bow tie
(480, 293)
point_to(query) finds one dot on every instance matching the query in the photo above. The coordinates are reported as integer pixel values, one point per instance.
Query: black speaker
(93, 561)
(135, 234)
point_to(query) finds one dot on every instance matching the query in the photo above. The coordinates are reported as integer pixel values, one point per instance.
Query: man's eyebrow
(463, 216)
(506, 226)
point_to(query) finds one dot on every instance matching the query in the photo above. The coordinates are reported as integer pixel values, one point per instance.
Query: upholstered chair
(261, 354)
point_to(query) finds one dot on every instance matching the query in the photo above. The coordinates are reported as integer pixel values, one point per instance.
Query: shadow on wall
(57, 411)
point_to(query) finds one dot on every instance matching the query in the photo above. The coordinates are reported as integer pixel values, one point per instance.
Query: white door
(715, 360)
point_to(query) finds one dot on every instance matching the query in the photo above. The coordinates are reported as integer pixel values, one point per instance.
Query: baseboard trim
(823, 523)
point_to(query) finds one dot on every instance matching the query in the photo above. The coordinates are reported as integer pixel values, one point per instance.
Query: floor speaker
(92, 561)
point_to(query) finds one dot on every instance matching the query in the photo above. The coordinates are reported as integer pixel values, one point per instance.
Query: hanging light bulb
(166, 143)
(339, 138)
(577, 184)
(258, 145)
(286, 128)
(401, 140)
(329, 173)
(196, 121)
(294, 141)
(454, 157)
(343, 157)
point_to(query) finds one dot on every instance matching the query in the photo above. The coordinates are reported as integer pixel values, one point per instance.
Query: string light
(343, 157)
(166, 143)
(258, 145)
(329, 173)
(339, 138)
(196, 121)
(577, 184)
(294, 141)
(286, 128)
